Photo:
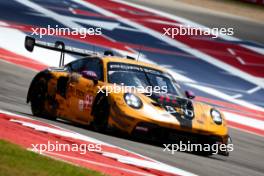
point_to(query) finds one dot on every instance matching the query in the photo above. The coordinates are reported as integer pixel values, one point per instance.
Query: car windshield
(138, 76)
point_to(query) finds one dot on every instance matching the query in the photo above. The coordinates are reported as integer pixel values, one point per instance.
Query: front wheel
(101, 114)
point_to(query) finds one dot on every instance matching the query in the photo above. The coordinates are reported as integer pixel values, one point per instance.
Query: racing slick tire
(101, 113)
(37, 97)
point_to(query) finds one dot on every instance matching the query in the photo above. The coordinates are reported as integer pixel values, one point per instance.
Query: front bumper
(154, 132)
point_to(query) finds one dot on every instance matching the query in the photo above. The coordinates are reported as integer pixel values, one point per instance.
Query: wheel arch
(97, 97)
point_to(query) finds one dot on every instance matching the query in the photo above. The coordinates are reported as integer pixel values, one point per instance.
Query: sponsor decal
(182, 112)
(81, 105)
(85, 103)
(88, 101)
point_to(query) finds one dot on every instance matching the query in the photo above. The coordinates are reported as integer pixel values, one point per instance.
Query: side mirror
(29, 43)
(90, 75)
(108, 53)
(189, 94)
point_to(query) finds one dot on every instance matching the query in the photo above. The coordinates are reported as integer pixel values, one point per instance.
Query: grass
(15, 160)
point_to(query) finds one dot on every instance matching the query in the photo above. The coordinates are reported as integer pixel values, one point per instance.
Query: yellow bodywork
(77, 106)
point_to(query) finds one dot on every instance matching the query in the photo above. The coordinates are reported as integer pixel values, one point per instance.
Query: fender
(98, 96)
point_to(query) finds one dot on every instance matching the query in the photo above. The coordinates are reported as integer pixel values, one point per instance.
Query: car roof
(107, 59)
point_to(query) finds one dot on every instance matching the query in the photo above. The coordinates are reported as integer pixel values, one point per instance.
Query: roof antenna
(139, 52)
(93, 49)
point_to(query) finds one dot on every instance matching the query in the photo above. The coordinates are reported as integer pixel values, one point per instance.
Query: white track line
(237, 96)
(68, 133)
(241, 119)
(94, 163)
(231, 51)
(241, 60)
(253, 90)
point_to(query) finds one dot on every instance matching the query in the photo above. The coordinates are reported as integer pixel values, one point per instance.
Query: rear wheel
(101, 114)
(37, 97)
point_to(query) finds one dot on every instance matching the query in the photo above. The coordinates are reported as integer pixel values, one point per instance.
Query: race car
(113, 92)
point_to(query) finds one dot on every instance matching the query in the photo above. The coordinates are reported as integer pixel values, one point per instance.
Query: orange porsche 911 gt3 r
(137, 98)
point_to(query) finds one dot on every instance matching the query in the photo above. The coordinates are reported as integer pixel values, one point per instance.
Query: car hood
(177, 106)
(177, 112)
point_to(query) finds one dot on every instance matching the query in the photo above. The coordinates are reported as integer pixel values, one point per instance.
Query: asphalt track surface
(246, 159)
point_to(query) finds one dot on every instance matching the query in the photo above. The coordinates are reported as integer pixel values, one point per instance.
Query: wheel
(101, 114)
(38, 97)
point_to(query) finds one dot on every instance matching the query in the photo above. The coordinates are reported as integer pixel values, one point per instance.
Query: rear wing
(31, 42)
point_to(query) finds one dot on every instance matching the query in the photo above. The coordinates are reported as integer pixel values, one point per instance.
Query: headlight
(216, 116)
(132, 101)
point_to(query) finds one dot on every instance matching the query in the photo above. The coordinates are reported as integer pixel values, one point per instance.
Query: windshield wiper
(147, 77)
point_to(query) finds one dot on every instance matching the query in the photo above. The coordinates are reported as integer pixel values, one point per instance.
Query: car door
(82, 91)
